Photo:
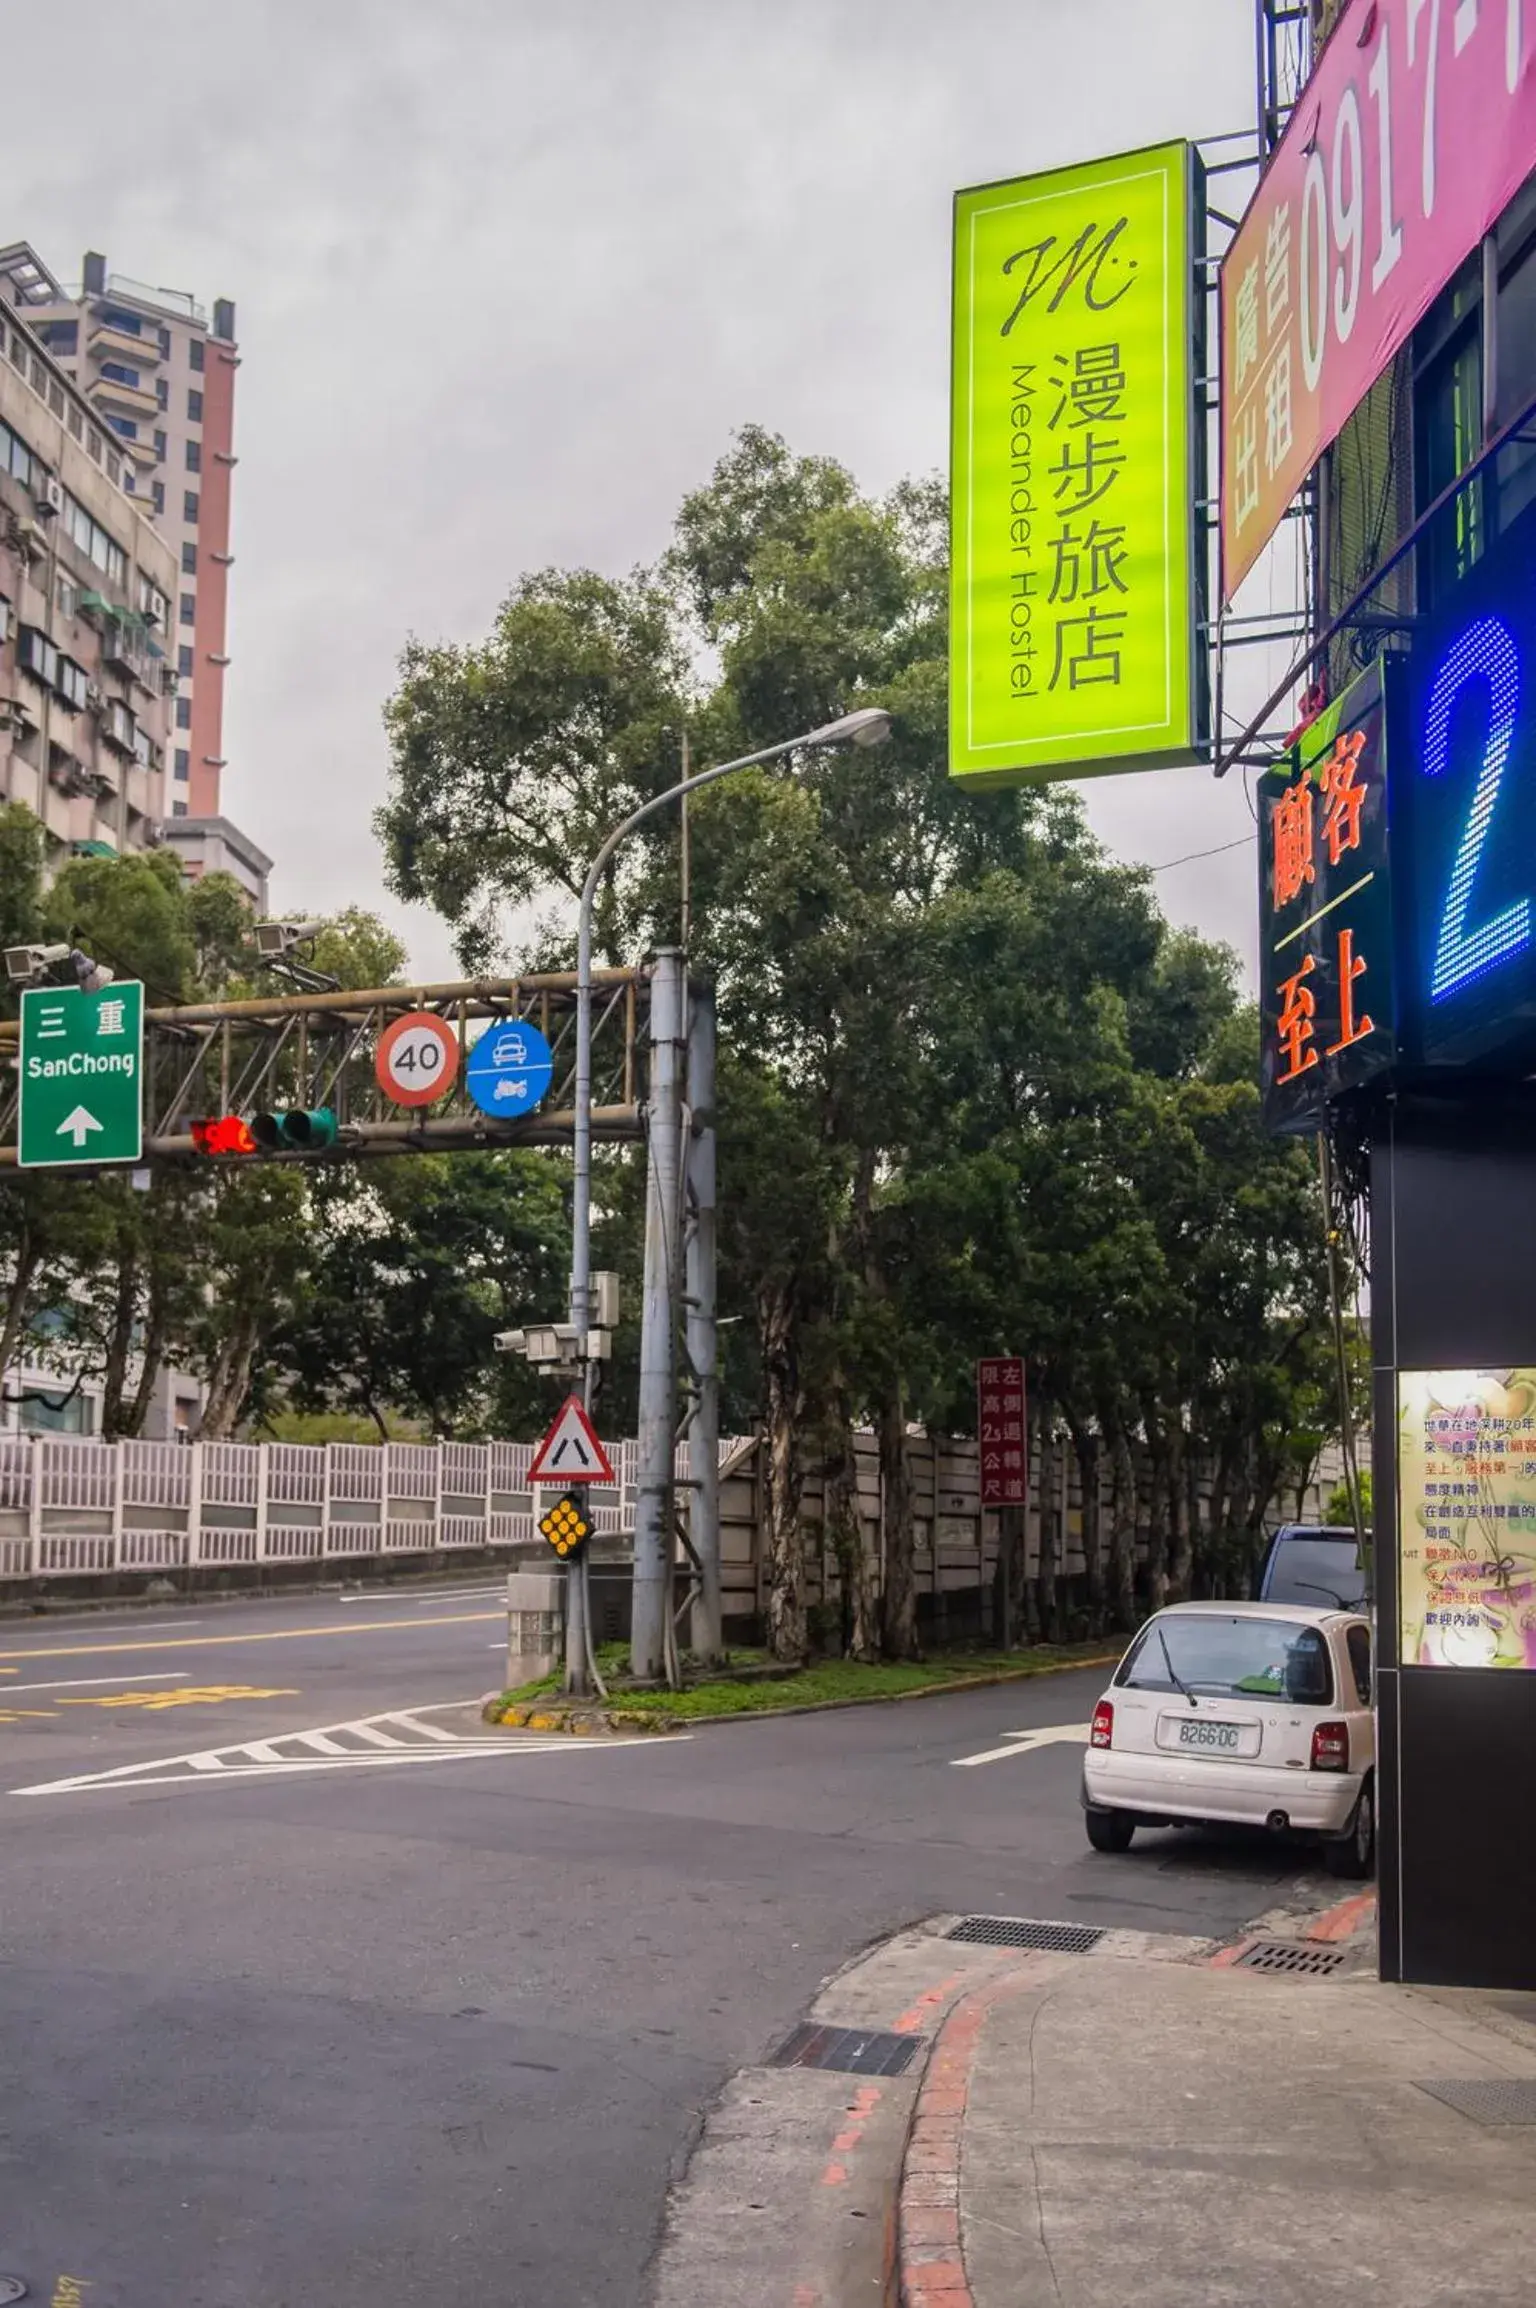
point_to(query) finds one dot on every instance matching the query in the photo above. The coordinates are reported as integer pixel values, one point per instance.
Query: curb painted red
(930, 2254)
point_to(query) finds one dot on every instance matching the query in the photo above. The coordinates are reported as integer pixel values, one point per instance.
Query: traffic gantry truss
(305, 1051)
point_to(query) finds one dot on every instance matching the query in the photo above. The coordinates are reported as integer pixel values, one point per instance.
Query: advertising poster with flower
(1466, 1471)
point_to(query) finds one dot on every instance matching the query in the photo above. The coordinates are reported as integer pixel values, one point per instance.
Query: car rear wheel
(1354, 1856)
(1110, 1830)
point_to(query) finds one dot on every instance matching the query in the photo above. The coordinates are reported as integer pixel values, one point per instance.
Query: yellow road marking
(268, 1635)
(23, 1714)
(213, 1695)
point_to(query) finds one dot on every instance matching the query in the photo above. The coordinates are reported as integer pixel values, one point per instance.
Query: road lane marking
(1025, 1743)
(376, 1742)
(187, 1695)
(266, 1635)
(93, 1682)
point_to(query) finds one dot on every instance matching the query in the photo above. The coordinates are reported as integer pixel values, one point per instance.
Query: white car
(1255, 1714)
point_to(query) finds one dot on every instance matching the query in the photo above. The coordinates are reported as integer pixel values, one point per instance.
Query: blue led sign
(1463, 812)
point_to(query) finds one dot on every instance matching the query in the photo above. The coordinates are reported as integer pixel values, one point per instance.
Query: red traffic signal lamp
(223, 1134)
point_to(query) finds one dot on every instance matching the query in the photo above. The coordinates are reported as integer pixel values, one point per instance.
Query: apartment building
(87, 608)
(159, 373)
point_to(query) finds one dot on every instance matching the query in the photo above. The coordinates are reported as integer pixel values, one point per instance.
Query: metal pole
(658, 1323)
(701, 1335)
(685, 862)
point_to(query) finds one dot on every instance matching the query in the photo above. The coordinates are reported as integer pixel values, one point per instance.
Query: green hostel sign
(1074, 466)
(82, 1076)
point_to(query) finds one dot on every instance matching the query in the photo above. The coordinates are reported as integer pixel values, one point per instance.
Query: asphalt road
(294, 2022)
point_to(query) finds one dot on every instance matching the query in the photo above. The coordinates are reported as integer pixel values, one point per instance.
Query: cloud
(508, 276)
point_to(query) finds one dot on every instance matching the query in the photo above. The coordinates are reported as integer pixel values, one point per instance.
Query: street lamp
(867, 725)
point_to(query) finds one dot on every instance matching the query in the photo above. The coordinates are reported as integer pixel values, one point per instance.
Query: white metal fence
(71, 1507)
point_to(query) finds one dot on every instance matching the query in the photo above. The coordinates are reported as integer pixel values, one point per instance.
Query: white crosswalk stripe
(403, 1737)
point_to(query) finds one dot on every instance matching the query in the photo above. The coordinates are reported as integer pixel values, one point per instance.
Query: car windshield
(1215, 1657)
(1316, 1570)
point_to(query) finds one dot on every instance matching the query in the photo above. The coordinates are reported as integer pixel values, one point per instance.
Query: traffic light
(302, 1130)
(223, 1134)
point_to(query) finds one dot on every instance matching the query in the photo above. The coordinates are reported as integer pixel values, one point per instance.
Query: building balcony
(105, 343)
(129, 400)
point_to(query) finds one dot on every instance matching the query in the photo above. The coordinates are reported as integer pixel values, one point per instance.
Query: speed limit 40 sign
(418, 1059)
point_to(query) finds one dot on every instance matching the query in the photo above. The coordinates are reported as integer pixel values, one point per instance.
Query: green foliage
(1340, 1507)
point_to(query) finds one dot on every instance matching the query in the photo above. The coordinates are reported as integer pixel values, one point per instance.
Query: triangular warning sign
(571, 1452)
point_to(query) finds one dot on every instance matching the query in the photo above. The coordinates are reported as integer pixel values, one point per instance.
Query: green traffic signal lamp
(301, 1130)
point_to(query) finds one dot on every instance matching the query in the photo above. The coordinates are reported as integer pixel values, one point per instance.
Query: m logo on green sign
(1074, 468)
(82, 1076)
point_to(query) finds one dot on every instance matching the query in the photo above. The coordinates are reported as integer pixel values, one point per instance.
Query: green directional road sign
(82, 1075)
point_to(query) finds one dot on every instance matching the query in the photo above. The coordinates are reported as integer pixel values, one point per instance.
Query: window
(189, 609)
(39, 375)
(56, 397)
(1229, 1658)
(183, 769)
(160, 448)
(178, 809)
(15, 456)
(1359, 1641)
(122, 374)
(194, 408)
(165, 342)
(163, 391)
(76, 423)
(157, 496)
(93, 443)
(194, 456)
(5, 618)
(183, 713)
(68, 596)
(189, 559)
(60, 336)
(125, 427)
(195, 352)
(184, 659)
(116, 317)
(191, 505)
(93, 540)
(36, 655)
(72, 684)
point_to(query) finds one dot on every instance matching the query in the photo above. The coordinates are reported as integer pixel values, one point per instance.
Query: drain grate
(1019, 1931)
(1505, 2101)
(1290, 1955)
(852, 2051)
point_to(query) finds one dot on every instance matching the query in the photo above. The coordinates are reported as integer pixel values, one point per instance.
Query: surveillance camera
(276, 938)
(25, 962)
(510, 1341)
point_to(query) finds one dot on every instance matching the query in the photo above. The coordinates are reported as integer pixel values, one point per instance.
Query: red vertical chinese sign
(1001, 1431)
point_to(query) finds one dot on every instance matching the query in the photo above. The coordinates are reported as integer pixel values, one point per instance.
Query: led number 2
(1485, 652)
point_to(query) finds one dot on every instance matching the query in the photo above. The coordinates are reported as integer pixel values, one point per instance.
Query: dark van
(1316, 1563)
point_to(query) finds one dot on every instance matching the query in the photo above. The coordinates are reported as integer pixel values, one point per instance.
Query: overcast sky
(509, 273)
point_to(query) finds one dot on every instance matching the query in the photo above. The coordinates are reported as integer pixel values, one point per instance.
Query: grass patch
(829, 1682)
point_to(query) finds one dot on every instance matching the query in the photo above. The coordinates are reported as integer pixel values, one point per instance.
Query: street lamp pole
(869, 725)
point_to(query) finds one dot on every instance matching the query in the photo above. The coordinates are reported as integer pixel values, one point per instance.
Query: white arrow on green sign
(82, 1075)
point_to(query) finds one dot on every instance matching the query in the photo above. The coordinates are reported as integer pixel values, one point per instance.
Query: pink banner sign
(1415, 130)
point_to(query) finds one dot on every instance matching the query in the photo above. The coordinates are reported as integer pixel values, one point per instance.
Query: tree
(975, 1094)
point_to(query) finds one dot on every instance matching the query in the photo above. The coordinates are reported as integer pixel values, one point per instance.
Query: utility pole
(658, 1325)
(701, 1335)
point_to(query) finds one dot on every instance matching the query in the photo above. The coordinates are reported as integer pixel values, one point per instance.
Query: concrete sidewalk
(1103, 2133)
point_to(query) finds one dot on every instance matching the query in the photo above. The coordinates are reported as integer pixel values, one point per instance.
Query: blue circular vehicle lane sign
(509, 1070)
